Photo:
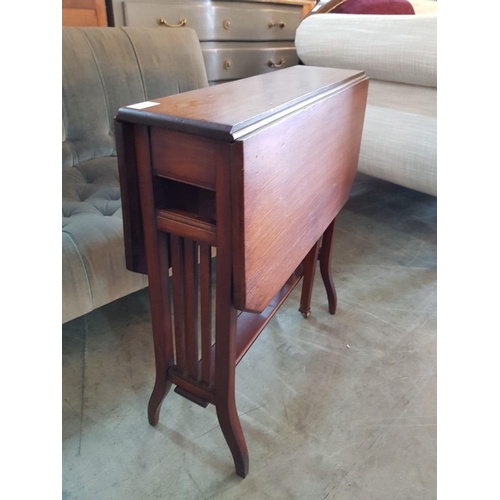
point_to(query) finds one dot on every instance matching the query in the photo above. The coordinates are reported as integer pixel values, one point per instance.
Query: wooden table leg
(225, 326)
(323, 255)
(308, 280)
(225, 401)
(324, 264)
(157, 263)
(162, 332)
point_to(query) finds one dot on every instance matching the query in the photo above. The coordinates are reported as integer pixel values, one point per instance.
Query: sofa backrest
(106, 68)
(393, 48)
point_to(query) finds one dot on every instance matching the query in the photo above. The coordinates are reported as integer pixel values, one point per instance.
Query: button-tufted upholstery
(104, 69)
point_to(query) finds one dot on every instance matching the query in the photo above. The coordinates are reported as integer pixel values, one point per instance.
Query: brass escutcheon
(226, 24)
(227, 64)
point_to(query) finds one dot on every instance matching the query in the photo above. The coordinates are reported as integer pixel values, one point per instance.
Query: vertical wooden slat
(177, 252)
(191, 306)
(206, 312)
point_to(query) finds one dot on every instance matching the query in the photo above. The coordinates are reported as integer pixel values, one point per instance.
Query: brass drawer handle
(272, 64)
(272, 24)
(162, 22)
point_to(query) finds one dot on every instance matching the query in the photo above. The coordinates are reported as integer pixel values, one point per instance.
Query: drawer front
(183, 157)
(232, 61)
(219, 20)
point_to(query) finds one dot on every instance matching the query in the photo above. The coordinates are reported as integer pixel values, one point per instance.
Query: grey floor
(333, 407)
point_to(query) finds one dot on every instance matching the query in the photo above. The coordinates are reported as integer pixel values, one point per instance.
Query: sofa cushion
(400, 147)
(415, 99)
(94, 271)
(374, 7)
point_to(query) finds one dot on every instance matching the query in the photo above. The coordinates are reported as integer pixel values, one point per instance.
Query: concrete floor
(333, 407)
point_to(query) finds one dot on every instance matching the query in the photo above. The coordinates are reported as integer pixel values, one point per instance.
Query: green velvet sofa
(102, 70)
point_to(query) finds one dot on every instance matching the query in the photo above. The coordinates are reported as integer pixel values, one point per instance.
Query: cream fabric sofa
(399, 55)
(103, 69)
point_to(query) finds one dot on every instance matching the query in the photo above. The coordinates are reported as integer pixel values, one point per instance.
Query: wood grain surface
(183, 157)
(294, 139)
(233, 109)
(290, 180)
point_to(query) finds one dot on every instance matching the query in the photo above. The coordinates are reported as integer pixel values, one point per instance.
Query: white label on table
(142, 105)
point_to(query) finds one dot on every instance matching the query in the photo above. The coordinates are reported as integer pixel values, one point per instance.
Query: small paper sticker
(142, 105)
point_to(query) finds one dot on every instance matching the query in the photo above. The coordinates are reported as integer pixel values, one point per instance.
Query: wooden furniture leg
(324, 264)
(162, 333)
(322, 254)
(225, 401)
(308, 280)
(225, 328)
(157, 263)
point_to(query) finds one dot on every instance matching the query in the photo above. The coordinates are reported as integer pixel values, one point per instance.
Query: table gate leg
(308, 280)
(324, 265)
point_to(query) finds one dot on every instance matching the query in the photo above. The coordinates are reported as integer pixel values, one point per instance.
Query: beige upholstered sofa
(103, 69)
(399, 54)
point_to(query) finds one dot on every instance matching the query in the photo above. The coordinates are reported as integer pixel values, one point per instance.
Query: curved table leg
(160, 391)
(308, 280)
(233, 433)
(225, 371)
(225, 326)
(156, 246)
(162, 327)
(324, 264)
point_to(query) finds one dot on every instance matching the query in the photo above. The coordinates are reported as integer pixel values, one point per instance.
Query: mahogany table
(257, 169)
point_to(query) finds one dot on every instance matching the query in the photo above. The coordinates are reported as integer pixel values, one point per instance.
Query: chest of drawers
(238, 39)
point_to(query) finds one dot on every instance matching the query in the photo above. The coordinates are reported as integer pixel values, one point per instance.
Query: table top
(230, 110)
(280, 151)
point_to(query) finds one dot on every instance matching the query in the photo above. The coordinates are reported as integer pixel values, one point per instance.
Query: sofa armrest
(396, 48)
